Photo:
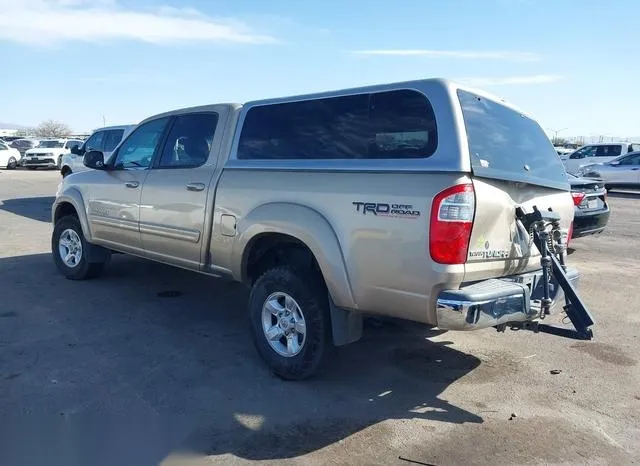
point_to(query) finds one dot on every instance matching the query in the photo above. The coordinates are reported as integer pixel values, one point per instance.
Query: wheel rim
(70, 248)
(283, 324)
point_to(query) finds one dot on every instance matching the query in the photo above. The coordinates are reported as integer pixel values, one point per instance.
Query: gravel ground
(150, 364)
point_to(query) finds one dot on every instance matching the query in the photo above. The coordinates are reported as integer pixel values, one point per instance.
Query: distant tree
(558, 141)
(52, 129)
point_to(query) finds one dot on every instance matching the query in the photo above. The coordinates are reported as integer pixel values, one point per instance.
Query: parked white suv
(596, 153)
(104, 140)
(49, 153)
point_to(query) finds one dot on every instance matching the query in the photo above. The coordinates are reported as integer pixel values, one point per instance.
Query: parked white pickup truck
(49, 153)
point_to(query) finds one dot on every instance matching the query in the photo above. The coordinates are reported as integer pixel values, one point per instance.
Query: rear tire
(71, 251)
(12, 163)
(313, 335)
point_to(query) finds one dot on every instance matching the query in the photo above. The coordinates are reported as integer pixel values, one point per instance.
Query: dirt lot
(150, 364)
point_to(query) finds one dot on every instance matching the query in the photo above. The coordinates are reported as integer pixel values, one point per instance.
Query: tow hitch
(549, 243)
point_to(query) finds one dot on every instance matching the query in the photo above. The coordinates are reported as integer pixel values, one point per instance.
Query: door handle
(132, 184)
(634, 169)
(195, 186)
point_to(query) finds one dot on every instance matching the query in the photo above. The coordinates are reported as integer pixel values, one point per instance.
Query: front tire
(71, 251)
(59, 164)
(289, 313)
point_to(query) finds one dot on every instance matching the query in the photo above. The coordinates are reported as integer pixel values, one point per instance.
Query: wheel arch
(273, 224)
(71, 203)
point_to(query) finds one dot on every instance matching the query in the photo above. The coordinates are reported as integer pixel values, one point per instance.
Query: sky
(574, 65)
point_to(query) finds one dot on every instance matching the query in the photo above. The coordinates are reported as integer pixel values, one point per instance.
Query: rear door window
(189, 141)
(505, 144)
(609, 151)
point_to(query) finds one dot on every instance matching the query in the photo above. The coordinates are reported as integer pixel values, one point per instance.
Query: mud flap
(553, 262)
(346, 325)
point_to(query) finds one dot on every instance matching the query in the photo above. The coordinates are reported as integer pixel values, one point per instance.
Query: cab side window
(138, 149)
(189, 141)
(587, 151)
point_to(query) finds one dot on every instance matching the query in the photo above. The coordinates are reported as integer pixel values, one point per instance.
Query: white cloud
(465, 54)
(510, 80)
(43, 22)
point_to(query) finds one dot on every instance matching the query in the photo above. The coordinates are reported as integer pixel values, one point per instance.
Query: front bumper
(43, 162)
(590, 223)
(497, 301)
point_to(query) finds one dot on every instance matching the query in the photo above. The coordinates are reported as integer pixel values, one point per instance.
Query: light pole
(555, 133)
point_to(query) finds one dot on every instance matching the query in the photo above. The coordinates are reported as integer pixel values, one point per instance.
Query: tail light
(577, 198)
(452, 215)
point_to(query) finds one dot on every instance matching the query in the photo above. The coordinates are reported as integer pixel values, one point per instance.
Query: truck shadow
(172, 348)
(35, 208)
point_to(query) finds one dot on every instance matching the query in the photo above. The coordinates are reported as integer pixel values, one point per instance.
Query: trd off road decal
(383, 209)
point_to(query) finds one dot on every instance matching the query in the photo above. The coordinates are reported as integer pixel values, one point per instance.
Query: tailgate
(514, 165)
(499, 246)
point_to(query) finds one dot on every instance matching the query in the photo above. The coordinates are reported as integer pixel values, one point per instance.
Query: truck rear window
(505, 144)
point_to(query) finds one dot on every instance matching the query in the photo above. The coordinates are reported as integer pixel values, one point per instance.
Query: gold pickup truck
(394, 200)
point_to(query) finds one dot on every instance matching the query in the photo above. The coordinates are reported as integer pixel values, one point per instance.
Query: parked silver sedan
(622, 172)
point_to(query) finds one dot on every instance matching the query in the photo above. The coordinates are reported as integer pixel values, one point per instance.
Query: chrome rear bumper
(497, 301)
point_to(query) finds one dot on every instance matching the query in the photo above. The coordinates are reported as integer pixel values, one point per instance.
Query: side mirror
(94, 159)
(76, 150)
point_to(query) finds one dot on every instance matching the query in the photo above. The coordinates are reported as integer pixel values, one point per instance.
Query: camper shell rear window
(505, 144)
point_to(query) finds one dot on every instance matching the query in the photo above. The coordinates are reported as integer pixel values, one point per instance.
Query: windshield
(505, 144)
(50, 144)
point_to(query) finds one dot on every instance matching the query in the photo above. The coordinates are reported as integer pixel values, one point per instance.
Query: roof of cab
(103, 128)
(200, 108)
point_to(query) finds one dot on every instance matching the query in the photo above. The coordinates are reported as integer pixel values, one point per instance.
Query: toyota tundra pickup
(393, 200)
